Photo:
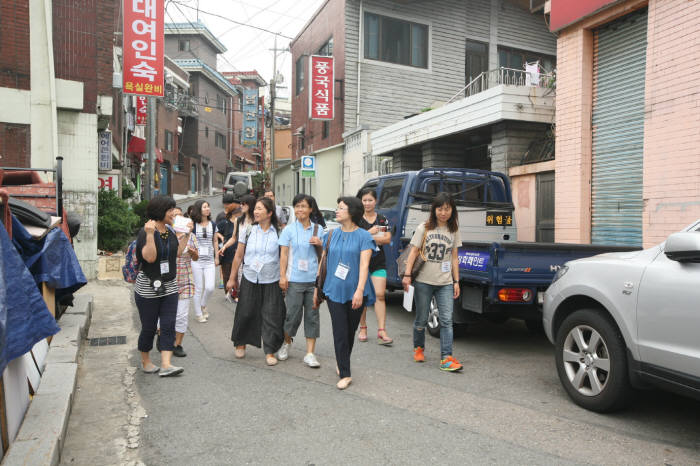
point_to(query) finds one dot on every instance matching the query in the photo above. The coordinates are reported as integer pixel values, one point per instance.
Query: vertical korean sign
(250, 117)
(143, 47)
(321, 91)
(141, 110)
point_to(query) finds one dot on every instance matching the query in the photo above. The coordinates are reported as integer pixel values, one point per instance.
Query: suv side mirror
(683, 247)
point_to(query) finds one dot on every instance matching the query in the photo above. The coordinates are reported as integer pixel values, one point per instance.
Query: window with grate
(168, 140)
(299, 75)
(220, 140)
(183, 46)
(326, 49)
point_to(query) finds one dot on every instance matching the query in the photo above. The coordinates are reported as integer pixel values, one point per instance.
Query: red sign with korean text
(322, 88)
(141, 110)
(143, 47)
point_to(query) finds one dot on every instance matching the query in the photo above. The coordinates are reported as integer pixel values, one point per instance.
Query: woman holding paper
(204, 270)
(439, 277)
(346, 283)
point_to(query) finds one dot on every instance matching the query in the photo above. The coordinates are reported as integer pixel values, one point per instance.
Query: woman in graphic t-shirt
(439, 277)
(378, 226)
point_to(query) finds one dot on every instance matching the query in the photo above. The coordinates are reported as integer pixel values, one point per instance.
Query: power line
(231, 20)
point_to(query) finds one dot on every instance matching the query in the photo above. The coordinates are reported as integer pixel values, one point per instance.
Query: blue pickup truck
(500, 277)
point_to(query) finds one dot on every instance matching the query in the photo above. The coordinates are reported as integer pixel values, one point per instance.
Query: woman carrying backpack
(155, 288)
(204, 270)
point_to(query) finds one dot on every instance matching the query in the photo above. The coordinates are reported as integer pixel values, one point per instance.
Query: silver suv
(625, 320)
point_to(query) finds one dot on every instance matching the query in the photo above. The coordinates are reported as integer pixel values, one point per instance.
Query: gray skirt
(260, 315)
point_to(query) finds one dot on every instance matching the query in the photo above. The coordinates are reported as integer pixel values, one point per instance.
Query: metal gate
(545, 207)
(619, 61)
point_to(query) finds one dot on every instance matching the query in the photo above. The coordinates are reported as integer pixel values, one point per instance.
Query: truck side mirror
(683, 247)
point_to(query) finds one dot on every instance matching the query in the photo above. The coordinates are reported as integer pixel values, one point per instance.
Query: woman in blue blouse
(346, 284)
(260, 311)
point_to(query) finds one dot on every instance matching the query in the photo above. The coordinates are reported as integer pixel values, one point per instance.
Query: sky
(249, 48)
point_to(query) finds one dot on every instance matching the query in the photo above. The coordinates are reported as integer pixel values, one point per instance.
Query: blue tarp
(51, 259)
(24, 318)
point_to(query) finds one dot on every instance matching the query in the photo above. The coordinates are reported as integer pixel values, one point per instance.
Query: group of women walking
(280, 276)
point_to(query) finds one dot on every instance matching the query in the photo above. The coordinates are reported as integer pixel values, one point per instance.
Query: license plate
(499, 219)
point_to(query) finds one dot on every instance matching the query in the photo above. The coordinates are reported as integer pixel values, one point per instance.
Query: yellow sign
(207, 109)
(499, 219)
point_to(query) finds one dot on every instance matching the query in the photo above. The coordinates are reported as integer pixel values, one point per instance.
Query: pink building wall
(671, 168)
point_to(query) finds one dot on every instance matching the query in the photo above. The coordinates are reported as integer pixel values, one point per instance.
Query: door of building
(476, 60)
(164, 177)
(545, 208)
(193, 178)
(619, 64)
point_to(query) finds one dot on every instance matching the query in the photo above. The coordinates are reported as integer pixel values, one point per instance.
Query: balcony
(492, 97)
(185, 104)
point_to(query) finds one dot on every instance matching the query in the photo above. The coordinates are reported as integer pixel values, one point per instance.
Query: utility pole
(150, 146)
(273, 93)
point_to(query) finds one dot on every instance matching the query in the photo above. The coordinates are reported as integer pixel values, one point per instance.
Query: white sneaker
(205, 313)
(283, 353)
(311, 361)
(201, 318)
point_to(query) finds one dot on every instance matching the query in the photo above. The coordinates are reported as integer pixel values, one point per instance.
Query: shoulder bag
(323, 268)
(417, 264)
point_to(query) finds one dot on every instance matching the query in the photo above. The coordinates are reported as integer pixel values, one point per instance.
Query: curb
(43, 430)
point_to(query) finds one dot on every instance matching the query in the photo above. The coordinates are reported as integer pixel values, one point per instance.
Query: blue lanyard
(167, 245)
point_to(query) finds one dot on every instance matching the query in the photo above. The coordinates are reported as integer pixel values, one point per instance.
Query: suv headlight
(560, 273)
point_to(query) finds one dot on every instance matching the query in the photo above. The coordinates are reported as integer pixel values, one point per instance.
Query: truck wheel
(591, 361)
(433, 319)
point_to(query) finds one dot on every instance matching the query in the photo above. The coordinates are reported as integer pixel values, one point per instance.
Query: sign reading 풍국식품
(143, 47)
(321, 88)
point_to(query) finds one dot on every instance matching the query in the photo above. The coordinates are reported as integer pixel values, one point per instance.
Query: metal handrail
(502, 75)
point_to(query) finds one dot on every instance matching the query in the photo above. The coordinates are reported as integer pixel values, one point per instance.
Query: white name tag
(342, 271)
(446, 266)
(257, 266)
(303, 265)
(203, 250)
(164, 267)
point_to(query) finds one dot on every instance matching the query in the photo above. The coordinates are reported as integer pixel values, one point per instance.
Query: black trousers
(152, 309)
(344, 320)
(260, 314)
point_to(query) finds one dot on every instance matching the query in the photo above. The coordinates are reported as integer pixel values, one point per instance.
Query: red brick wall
(14, 44)
(15, 144)
(82, 45)
(329, 22)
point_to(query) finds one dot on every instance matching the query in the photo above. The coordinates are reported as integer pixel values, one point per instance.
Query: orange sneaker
(418, 355)
(450, 364)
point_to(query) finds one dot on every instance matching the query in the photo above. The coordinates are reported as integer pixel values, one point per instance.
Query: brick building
(206, 149)
(57, 95)
(627, 165)
(246, 157)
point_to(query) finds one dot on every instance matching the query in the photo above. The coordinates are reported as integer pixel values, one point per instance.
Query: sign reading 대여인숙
(104, 148)
(308, 166)
(143, 47)
(250, 117)
(321, 89)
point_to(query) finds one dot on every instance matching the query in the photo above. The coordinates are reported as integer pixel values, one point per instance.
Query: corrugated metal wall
(619, 63)
(520, 29)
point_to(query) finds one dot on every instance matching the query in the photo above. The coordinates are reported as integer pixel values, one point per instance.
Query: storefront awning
(136, 145)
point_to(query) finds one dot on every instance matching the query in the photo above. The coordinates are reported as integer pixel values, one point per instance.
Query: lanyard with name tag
(342, 271)
(203, 249)
(303, 265)
(257, 265)
(164, 267)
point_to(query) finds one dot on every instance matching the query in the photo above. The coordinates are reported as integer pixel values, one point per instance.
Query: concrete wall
(284, 184)
(510, 141)
(215, 120)
(77, 141)
(326, 185)
(199, 48)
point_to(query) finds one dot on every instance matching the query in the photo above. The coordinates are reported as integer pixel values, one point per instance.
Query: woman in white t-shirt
(204, 270)
(439, 276)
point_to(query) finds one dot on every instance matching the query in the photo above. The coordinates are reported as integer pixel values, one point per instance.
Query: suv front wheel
(591, 361)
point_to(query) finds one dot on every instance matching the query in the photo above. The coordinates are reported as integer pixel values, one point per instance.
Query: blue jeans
(443, 296)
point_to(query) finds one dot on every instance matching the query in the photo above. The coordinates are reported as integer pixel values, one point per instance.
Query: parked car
(627, 320)
(243, 181)
(329, 217)
(500, 277)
